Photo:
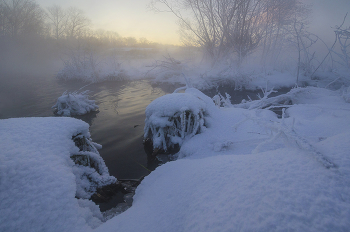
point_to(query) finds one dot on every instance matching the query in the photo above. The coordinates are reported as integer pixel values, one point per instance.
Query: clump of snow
(38, 185)
(74, 103)
(175, 117)
(252, 171)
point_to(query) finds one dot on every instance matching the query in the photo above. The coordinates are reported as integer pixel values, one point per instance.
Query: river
(117, 126)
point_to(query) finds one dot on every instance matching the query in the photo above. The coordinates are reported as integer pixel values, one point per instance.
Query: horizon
(132, 18)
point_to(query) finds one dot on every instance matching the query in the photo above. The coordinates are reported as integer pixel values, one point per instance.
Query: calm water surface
(118, 126)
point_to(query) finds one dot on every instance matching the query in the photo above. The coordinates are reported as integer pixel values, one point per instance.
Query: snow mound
(175, 117)
(282, 190)
(252, 171)
(38, 181)
(74, 104)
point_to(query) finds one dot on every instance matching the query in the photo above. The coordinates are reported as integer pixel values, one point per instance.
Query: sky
(133, 18)
(126, 17)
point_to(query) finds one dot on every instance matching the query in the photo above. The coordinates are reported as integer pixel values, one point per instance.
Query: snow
(252, 171)
(74, 103)
(37, 181)
(175, 117)
(245, 170)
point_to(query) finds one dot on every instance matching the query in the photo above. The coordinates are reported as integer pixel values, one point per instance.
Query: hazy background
(126, 38)
(132, 18)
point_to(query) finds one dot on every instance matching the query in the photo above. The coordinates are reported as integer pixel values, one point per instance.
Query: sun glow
(129, 18)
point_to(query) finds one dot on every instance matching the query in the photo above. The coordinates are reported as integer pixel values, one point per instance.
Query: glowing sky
(127, 17)
(132, 18)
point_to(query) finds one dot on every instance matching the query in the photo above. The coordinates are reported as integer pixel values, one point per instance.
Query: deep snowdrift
(39, 180)
(251, 171)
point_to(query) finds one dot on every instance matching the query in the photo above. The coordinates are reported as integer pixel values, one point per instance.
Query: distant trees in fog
(232, 27)
(57, 18)
(71, 23)
(67, 23)
(21, 17)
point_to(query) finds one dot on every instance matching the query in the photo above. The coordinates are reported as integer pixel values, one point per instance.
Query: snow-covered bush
(173, 118)
(87, 66)
(74, 103)
(167, 68)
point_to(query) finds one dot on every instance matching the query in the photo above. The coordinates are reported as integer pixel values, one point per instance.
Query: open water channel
(117, 126)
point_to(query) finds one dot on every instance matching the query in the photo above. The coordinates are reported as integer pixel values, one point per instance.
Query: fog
(73, 51)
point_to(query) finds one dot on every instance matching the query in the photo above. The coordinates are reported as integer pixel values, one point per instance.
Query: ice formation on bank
(74, 103)
(40, 183)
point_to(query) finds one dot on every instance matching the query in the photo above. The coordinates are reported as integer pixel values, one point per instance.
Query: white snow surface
(176, 117)
(251, 171)
(37, 184)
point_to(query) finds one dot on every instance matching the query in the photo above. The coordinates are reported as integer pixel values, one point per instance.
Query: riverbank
(252, 171)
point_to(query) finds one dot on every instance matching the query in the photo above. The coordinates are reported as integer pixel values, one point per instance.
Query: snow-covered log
(74, 103)
(283, 100)
(175, 117)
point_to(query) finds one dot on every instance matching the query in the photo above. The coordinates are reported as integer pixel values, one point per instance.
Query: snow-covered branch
(74, 103)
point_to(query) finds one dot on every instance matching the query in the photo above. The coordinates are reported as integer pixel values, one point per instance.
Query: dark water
(118, 126)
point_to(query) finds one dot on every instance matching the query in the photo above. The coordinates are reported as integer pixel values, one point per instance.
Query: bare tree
(58, 20)
(2, 19)
(342, 35)
(77, 23)
(21, 17)
(227, 27)
(279, 14)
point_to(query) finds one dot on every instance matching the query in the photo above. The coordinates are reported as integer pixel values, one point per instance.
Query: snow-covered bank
(38, 179)
(251, 171)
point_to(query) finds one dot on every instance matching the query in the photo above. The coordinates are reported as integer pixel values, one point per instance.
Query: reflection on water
(117, 126)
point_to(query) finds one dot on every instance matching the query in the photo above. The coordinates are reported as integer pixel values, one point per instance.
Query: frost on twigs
(173, 118)
(167, 67)
(82, 64)
(74, 104)
(90, 170)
